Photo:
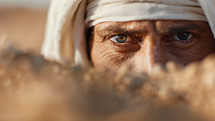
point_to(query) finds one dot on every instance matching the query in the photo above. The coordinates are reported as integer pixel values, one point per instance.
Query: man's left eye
(183, 36)
(119, 38)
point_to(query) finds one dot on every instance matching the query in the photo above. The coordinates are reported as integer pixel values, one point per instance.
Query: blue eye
(183, 36)
(119, 38)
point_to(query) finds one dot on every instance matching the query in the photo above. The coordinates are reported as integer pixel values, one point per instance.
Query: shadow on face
(143, 44)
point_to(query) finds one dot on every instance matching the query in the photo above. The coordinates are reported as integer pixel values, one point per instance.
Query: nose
(151, 53)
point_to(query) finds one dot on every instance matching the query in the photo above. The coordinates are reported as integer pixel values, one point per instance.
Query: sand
(22, 27)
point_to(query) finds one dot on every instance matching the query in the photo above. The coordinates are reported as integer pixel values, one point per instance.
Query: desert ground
(22, 28)
(34, 89)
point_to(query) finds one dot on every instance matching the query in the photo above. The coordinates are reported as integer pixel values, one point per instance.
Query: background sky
(26, 3)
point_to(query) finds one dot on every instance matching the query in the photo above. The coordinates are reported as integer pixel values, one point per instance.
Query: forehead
(159, 25)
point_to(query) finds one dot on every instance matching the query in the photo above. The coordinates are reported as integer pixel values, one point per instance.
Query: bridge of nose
(151, 52)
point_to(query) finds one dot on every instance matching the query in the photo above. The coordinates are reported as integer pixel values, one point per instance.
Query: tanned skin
(143, 44)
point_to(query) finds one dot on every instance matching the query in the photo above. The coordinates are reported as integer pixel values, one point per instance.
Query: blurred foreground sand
(22, 27)
(33, 89)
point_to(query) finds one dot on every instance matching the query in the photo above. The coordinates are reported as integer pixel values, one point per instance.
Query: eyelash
(134, 39)
(174, 35)
(131, 44)
(180, 43)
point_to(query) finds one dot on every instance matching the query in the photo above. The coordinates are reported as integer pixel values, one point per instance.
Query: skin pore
(142, 44)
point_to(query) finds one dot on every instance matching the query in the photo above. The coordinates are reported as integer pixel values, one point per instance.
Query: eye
(183, 39)
(184, 36)
(119, 38)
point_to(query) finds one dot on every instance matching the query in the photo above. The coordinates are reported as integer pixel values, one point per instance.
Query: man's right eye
(119, 38)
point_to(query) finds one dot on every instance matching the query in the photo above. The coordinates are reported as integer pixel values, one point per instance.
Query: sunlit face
(143, 44)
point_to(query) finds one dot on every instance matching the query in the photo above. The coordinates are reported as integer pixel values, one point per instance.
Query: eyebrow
(112, 29)
(182, 28)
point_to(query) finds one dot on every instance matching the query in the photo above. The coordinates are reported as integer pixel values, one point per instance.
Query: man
(140, 33)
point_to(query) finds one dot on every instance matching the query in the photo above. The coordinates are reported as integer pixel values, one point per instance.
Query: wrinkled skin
(143, 44)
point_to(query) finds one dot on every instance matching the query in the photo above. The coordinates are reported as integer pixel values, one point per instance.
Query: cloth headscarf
(68, 20)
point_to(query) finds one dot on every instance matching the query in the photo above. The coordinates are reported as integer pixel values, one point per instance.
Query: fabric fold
(122, 11)
(65, 32)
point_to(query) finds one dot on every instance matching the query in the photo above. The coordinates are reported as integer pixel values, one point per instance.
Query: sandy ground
(22, 27)
(34, 89)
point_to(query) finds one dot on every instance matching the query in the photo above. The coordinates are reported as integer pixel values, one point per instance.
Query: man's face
(143, 44)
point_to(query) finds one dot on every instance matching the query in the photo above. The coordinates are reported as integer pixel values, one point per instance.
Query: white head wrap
(65, 32)
(128, 10)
